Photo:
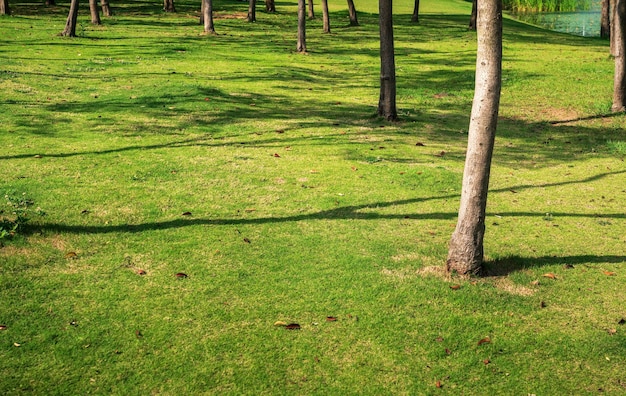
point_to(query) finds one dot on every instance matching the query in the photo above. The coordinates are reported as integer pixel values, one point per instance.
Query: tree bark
(325, 16)
(416, 12)
(619, 37)
(270, 6)
(605, 19)
(168, 6)
(465, 254)
(613, 25)
(207, 16)
(106, 9)
(311, 10)
(472, 23)
(72, 17)
(4, 7)
(50, 2)
(252, 11)
(352, 14)
(387, 98)
(95, 12)
(301, 46)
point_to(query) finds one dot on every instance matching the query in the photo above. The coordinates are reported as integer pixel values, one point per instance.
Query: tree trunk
(472, 23)
(613, 24)
(465, 254)
(387, 98)
(311, 11)
(325, 16)
(106, 9)
(252, 11)
(4, 7)
(605, 20)
(95, 12)
(416, 12)
(168, 6)
(72, 17)
(619, 37)
(207, 16)
(352, 14)
(270, 6)
(301, 46)
(50, 2)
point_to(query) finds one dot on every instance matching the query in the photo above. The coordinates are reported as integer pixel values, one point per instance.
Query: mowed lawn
(189, 195)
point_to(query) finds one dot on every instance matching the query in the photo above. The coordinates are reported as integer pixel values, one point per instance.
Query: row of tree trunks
(4, 7)
(465, 254)
(619, 52)
(387, 98)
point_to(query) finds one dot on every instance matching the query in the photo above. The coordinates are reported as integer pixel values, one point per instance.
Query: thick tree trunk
(95, 12)
(270, 6)
(387, 98)
(325, 16)
(605, 19)
(416, 12)
(352, 14)
(207, 16)
(472, 22)
(311, 10)
(168, 6)
(72, 17)
(619, 36)
(465, 255)
(301, 46)
(613, 24)
(252, 11)
(4, 7)
(106, 9)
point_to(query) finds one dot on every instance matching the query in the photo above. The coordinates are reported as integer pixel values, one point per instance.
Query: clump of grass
(15, 213)
(617, 147)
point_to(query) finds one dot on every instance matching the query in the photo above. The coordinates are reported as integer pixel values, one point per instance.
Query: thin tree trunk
(352, 13)
(301, 46)
(106, 9)
(472, 23)
(252, 11)
(619, 36)
(387, 98)
(168, 6)
(311, 11)
(270, 6)
(325, 16)
(207, 16)
(72, 17)
(50, 2)
(95, 12)
(605, 20)
(416, 12)
(465, 254)
(4, 7)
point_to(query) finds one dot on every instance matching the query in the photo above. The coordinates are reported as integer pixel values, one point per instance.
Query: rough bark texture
(252, 11)
(106, 9)
(605, 19)
(270, 6)
(465, 255)
(387, 98)
(168, 6)
(95, 12)
(301, 46)
(619, 36)
(325, 16)
(207, 16)
(72, 17)
(472, 22)
(416, 12)
(311, 10)
(352, 14)
(4, 7)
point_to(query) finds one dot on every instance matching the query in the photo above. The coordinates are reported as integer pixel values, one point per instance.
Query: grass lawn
(265, 178)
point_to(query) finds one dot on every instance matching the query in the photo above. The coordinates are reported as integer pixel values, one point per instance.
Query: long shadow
(506, 266)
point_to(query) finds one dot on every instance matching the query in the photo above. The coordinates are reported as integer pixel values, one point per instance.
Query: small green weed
(16, 212)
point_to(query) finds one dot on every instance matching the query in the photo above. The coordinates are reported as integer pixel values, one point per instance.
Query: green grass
(302, 205)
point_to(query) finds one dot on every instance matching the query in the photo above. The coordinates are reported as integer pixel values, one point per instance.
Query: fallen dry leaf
(535, 283)
(439, 339)
(181, 275)
(186, 214)
(84, 212)
(455, 287)
(354, 168)
(542, 304)
(16, 344)
(485, 340)
(38, 156)
(276, 155)
(280, 131)
(448, 351)
(549, 275)
(3, 327)
(293, 326)
(440, 154)
(438, 384)
(331, 319)
(611, 331)
(420, 144)
(139, 271)
(246, 240)
(314, 171)
(138, 334)
(568, 266)
(486, 362)
(71, 255)
(249, 210)
(609, 273)
(280, 323)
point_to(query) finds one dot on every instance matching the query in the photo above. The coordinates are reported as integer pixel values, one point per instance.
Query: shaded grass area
(265, 176)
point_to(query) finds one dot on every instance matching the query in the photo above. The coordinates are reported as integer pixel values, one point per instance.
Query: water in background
(582, 23)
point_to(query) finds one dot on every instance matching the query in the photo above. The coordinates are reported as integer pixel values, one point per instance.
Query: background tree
(301, 46)
(207, 16)
(325, 16)
(416, 11)
(95, 12)
(106, 9)
(270, 6)
(4, 7)
(619, 51)
(352, 14)
(387, 98)
(465, 254)
(311, 11)
(472, 22)
(72, 17)
(605, 19)
(252, 11)
(168, 6)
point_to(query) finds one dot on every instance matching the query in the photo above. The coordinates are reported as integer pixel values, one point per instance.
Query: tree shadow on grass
(505, 266)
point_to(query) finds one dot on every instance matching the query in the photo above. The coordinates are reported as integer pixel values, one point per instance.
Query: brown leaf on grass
(84, 212)
(181, 275)
(611, 331)
(331, 319)
(280, 131)
(455, 287)
(440, 95)
(448, 351)
(138, 334)
(15, 344)
(186, 214)
(246, 240)
(542, 304)
(609, 273)
(440, 154)
(568, 266)
(293, 326)
(438, 384)
(249, 210)
(71, 255)
(3, 327)
(139, 271)
(486, 362)
(280, 323)
(276, 155)
(314, 171)
(439, 339)
(535, 283)
(354, 168)
(420, 144)
(485, 340)
(549, 275)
